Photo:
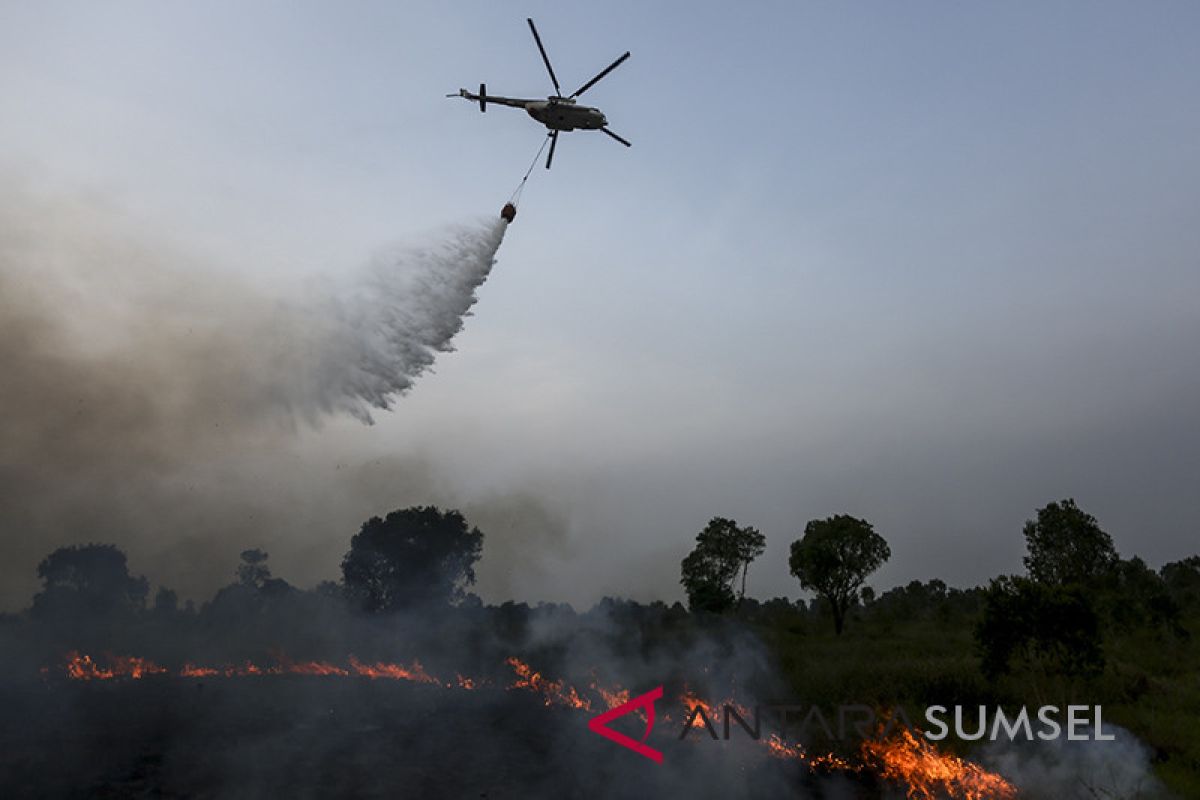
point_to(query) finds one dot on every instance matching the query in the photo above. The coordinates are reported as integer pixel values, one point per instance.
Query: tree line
(1075, 590)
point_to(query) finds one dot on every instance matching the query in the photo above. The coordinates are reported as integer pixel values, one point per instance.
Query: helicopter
(557, 112)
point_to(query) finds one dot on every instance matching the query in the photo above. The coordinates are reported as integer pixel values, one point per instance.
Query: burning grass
(900, 757)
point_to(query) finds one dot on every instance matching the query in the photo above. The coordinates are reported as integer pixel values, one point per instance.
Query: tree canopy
(1047, 626)
(411, 557)
(834, 558)
(1066, 545)
(88, 580)
(723, 549)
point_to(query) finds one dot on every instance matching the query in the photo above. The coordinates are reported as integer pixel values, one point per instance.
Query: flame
(396, 672)
(930, 774)
(713, 711)
(190, 670)
(903, 757)
(313, 668)
(691, 701)
(778, 748)
(83, 668)
(612, 697)
(552, 692)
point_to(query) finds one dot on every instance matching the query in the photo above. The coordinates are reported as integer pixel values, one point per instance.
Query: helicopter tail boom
(483, 98)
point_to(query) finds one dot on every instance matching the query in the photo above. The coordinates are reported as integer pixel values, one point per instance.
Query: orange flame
(190, 670)
(712, 711)
(778, 748)
(929, 773)
(83, 668)
(396, 672)
(552, 692)
(904, 757)
(691, 701)
(612, 697)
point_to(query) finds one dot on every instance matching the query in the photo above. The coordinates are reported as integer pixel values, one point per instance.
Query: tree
(412, 556)
(253, 571)
(1066, 545)
(1043, 624)
(834, 557)
(1134, 597)
(1182, 579)
(166, 602)
(88, 580)
(723, 549)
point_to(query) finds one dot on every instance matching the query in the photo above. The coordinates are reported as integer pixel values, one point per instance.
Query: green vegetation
(915, 646)
(1083, 627)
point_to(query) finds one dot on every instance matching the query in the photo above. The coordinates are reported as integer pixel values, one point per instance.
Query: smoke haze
(156, 402)
(1078, 770)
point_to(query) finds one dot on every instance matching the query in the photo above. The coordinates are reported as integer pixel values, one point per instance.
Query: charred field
(466, 720)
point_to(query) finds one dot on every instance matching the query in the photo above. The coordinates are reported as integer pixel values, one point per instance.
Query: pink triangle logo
(599, 724)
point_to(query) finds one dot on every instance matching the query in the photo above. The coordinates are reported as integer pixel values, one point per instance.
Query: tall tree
(1066, 545)
(834, 557)
(412, 556)
(723, 549)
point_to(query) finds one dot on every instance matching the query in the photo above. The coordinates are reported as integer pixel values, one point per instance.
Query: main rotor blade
(605, 71)
(625, 142)
(553, 141)
(545, 57)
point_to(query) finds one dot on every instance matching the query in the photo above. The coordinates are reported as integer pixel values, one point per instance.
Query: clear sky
(931, 264)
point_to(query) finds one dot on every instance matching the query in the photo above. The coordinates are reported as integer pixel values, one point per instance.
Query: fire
(83, 668)
(911, 760)
(612, 697)
(396, 672)
(712, 711)
(691, 701)
(903, 757)
(190, 670)
(553, 692)
(931, 774)
(778, 748)
(313, 668)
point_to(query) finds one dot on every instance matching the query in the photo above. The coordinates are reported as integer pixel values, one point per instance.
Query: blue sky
(931, 264)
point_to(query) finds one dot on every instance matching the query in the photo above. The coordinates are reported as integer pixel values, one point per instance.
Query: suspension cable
(516, 195)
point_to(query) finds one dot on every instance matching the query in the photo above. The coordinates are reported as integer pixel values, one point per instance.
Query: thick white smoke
(1078, 770)
(384, 328)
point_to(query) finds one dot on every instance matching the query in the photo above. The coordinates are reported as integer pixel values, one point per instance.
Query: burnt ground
(302, 736)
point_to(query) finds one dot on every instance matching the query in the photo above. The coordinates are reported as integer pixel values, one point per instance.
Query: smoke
(154, 399)
(1078, 770)
(384, 329)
